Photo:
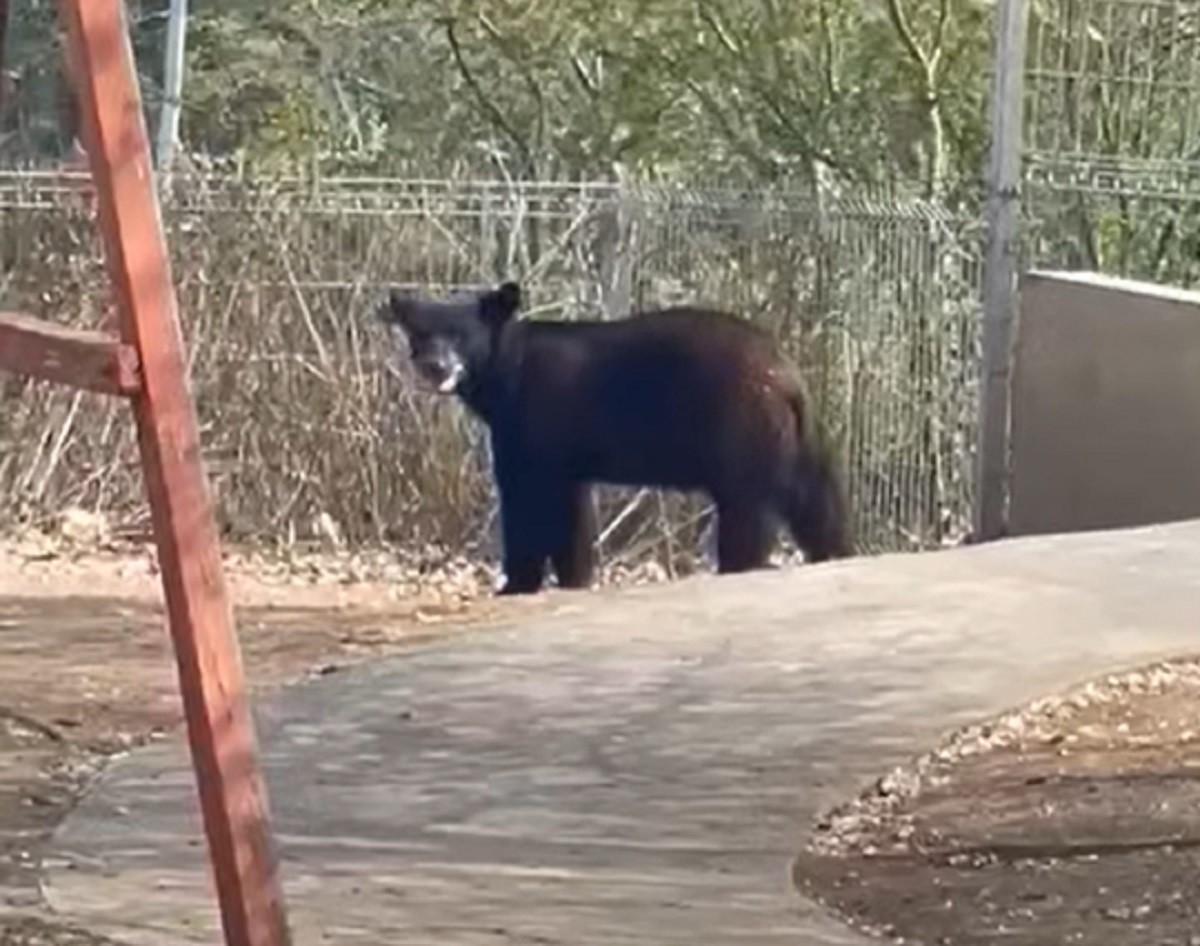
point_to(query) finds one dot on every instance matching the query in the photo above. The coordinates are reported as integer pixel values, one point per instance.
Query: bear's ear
(398, 309)
(510, 295)
(501, 304)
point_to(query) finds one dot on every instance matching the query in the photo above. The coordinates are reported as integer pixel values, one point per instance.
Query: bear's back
(650, 399)
(661, 344)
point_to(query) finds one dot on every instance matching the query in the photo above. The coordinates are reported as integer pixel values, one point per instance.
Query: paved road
(637, 768)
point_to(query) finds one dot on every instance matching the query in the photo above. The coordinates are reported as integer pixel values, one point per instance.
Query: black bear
(680, 398)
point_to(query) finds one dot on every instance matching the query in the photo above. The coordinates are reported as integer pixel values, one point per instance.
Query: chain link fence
(309, 426)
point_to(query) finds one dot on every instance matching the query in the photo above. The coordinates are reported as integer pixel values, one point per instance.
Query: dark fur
(681, 398)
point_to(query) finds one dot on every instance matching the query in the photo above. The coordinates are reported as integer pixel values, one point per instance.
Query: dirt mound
(1073, 819)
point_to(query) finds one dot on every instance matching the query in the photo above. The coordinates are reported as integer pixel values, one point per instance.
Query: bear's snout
(442, 371)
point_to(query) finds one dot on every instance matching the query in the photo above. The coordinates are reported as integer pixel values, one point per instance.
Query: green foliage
(754, 90)
(877, 92)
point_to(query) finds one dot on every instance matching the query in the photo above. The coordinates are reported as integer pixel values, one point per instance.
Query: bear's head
(451, 343)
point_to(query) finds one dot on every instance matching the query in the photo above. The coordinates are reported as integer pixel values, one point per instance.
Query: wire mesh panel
(876, 301)
(1113, 78)
(1112, 137)
(306, 419)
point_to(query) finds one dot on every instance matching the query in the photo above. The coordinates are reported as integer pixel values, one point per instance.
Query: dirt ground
(86, 668)
(1076, 819)
(1073, 820)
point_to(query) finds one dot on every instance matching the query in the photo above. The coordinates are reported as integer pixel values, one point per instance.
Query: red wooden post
(49, 352)
(220, 731)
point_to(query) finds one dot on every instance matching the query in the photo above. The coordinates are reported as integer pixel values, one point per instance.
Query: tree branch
(907, 38)
(830, 70)
(488, 106)
(939, 36)
(718, 30)
(928, 63)
(519, 63)
(584, 77)
(764, 166)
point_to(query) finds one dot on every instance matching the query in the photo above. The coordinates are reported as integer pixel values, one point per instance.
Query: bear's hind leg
(745, 535)
(815, 510)
(574, 555)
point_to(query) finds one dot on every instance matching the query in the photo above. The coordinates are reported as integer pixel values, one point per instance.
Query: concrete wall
(1105, 404)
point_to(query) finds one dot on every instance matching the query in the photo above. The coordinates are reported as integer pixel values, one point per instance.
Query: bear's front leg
(524, 555)
(522, 526)
(522, 577)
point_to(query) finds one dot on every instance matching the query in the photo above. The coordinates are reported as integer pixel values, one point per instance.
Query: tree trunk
(3, 48)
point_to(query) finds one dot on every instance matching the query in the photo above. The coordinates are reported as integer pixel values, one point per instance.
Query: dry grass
(312, 434)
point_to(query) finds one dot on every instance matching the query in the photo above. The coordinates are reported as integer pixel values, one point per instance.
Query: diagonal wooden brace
(89, 360)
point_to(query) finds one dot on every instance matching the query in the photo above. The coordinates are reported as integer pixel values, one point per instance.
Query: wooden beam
(89, 360)
(224, 754)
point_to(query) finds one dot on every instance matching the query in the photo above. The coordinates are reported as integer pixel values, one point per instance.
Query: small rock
(82, 528)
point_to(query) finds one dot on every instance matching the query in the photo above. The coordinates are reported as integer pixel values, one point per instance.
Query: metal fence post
(999, 272)
(173, 61)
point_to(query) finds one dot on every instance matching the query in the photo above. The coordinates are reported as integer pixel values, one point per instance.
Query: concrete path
(638, 768)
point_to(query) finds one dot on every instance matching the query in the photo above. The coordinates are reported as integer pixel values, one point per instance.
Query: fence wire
(1112, 138)
(304, 420)
(1113, 78)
